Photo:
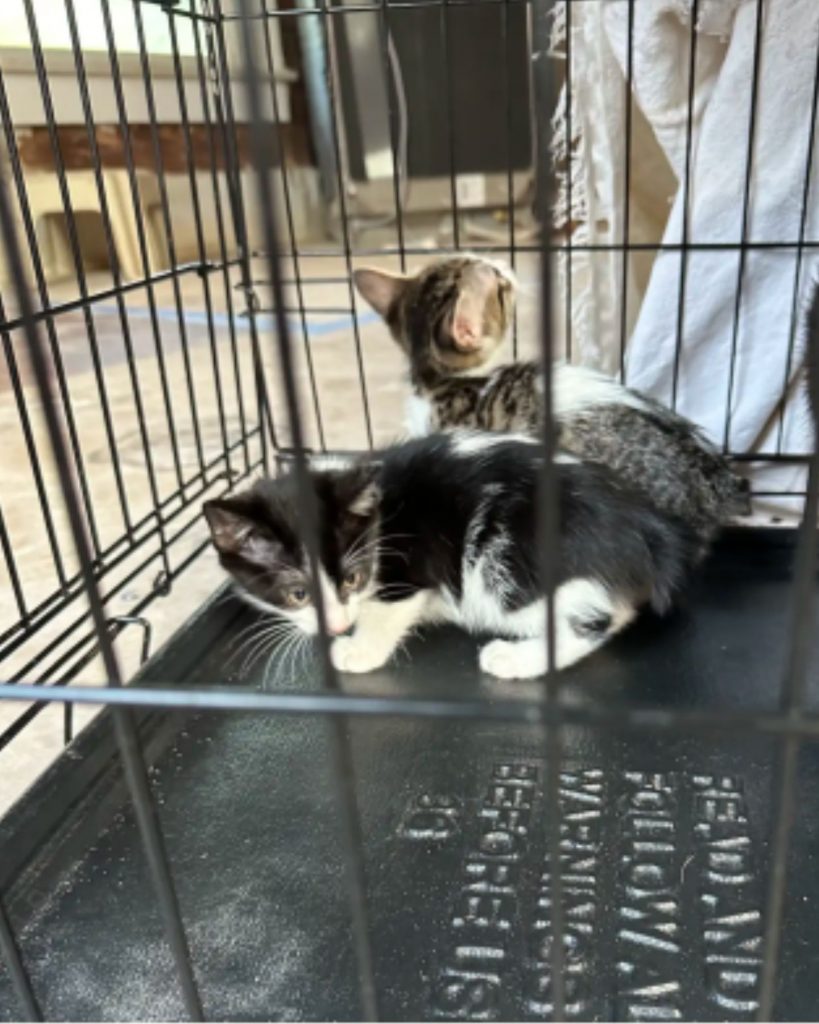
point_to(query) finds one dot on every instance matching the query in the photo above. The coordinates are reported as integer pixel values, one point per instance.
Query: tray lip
(85, 780)
(87, 771)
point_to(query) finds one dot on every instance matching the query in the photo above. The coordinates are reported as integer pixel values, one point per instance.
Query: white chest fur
(419, 418)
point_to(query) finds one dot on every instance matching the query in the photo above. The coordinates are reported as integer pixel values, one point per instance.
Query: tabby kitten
(451, 319)
(444, 528)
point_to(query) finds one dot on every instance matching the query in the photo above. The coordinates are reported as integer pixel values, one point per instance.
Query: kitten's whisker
(251, 655)
(306, 650)
(364, 560)
(290, 645)
(266, 651)
(259, 622)
(243, 646)
(275, 656)
(298, 651)
(364, 546)
(363, 539)
(268, 663)
(375, 555)
(384, 549)
(259, 643)
(298, 658)
(263, 622)
(301, 650)
(362, 555)
(355, 554)
(383, 537)
(257, 629)
(278, 650)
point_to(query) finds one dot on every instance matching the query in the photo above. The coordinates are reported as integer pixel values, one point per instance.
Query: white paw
(513, 659)
(351, 655)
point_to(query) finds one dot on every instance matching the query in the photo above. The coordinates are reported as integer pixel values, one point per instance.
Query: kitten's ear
(366, 501)
(229, 528)
(379, 288)
(360, 490)
(234, 532)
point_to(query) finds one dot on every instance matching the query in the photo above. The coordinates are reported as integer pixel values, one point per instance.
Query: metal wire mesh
(230, 60)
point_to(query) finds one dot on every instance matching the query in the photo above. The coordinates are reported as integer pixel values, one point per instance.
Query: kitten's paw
(513, 659)
(349, 654)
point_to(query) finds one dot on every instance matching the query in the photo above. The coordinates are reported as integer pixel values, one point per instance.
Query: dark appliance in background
(456, 80)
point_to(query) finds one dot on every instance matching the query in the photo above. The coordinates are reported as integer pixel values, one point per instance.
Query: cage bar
(341, 758)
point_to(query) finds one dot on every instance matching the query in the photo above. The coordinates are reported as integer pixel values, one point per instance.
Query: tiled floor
(340, 406)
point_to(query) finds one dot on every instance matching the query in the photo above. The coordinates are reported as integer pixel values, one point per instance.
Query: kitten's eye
(297, 596)
(353, 579)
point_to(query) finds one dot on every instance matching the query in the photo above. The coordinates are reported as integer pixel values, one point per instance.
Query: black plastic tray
(665, 839)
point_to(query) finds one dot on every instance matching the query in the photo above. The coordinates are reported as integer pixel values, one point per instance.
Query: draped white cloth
(731, 123)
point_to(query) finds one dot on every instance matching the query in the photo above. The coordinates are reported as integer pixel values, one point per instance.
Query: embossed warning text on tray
(661, 893)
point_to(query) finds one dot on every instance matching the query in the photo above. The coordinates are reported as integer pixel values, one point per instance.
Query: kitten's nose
(337, 628)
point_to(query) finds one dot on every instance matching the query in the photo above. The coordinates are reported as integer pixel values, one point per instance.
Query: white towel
(726, 33)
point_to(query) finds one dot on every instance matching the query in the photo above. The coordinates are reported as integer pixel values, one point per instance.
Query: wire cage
(617, 845)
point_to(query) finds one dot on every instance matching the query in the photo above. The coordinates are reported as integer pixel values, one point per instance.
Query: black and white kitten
(451, 318)
(444, 528)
